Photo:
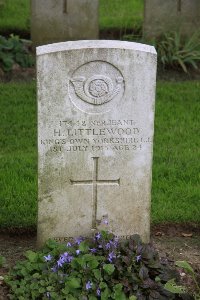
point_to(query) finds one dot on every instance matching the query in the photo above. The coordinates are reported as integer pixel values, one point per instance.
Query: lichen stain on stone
(50, 221)
(49, 199)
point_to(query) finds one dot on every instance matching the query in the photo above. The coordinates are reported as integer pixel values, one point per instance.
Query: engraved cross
(95, 182)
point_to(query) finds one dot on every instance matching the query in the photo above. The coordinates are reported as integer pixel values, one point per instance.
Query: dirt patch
(173, 242)
(104, 34)
(178, 74)
(176, 229)
(19, 74)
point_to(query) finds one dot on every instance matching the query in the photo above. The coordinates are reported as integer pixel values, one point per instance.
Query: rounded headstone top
(104, 44)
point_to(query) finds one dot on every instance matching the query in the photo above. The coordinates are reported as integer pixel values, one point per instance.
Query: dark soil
(104, 34)
(173, 242)
(19, 74)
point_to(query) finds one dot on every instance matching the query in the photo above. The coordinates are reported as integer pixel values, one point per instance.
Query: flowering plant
(99, 267)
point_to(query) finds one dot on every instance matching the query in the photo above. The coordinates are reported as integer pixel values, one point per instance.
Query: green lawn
(18, 157)
(121, 14)
(176, 191)
(176, 188)
(15, 14)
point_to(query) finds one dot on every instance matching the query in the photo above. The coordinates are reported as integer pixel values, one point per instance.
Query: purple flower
(98, 236)
(48, 295)
(48, 258)
(93, 250)
(63, 258)
(105, 221)
(54, 269)
(60, 262)
(64, 255)
(114, 243)
(108, 245)
(69, 258)
(111, 255)
(78, 240)
(69, 244)
(138, 258)
(98, 292)
(88, 285)
(78, 252)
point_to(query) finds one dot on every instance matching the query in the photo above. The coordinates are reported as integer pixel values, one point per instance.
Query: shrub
(14, 50)
(174, 50)
(100, 267)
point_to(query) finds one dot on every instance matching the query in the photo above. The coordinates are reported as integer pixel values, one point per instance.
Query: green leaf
(172, 287)
(109, 268)
(97, 274)
(51, 244)
(105, 294)
(66, 290)
(31, 256)
(118, 287)
(143, 273)
(2, 261)
(132, 297)
(136, 239)
(119, 294)
(14, 50)
(77, 263)
(7, 62)
(157, 279)
(73, 283)
(102, 285)
(88, 257)
(83, 246)
(36, 276)
(92, 298)
(42, 290)
(185, 265)
(70, 297)
(93, 263)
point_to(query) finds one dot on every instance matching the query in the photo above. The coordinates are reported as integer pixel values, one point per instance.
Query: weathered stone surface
(161, 16)
(95, 137)
(63, 20)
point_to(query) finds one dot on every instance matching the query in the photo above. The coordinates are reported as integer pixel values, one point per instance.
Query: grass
(15, 14)
(18, 157)
(121, 14)
(175, 192)
(176, 189)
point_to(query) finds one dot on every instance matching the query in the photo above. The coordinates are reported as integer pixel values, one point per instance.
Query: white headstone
(163, 16)
(55, 21)
(95, 137)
